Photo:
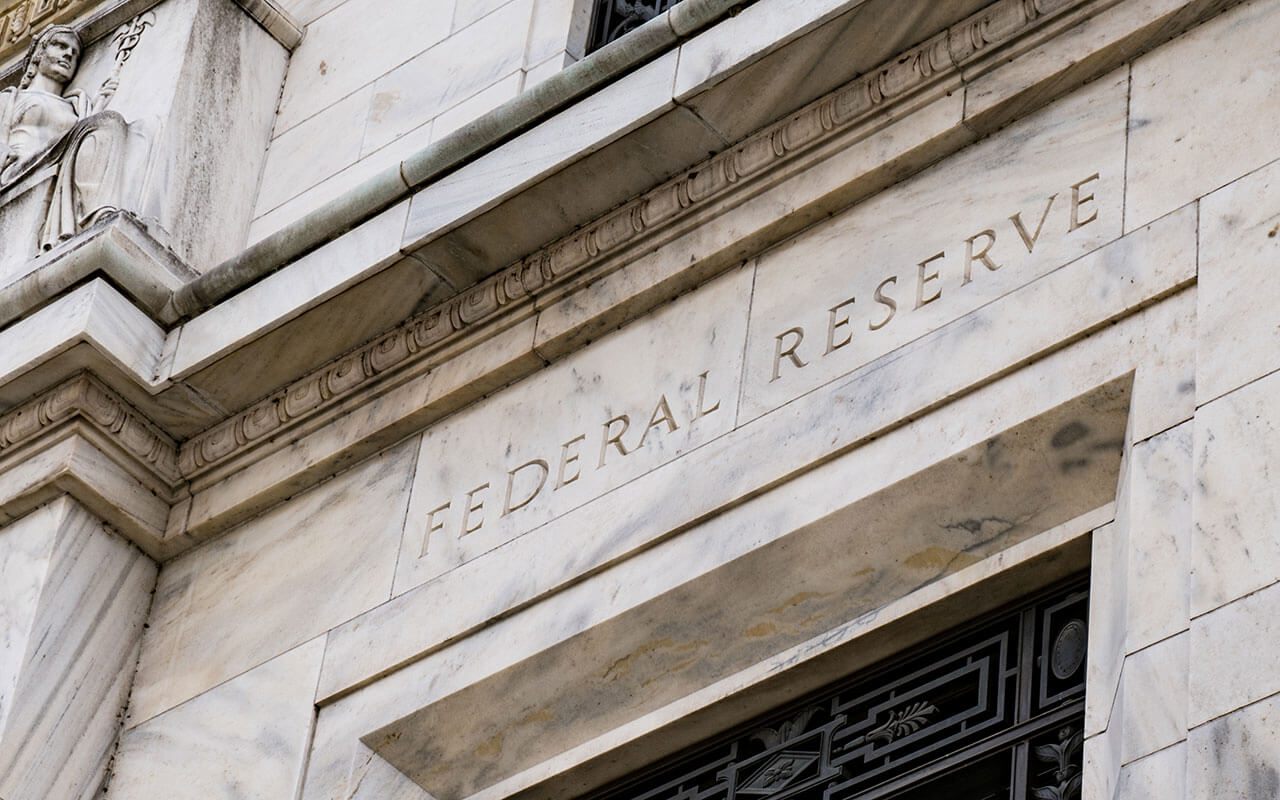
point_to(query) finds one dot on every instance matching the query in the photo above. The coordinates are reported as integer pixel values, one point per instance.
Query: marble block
(1160, 533)
(246, 738)
(1235, 544)
(1101, 764)
(1154, 685)
(1189, 134)
(273, 583)
(938, 246)
(1237, 339)
(1159, 776)
(1234, 650)
(447, 73)
(75, 597)
(603, 416)
(351, 46)
(1236, 757)
(1107, 582)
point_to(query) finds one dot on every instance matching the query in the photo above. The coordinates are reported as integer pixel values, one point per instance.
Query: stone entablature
(944, 334)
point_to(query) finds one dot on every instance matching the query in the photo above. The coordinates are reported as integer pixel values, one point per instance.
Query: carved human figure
(41, 124)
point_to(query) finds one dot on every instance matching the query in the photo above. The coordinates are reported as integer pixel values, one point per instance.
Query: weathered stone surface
(247, 737)
(75, 598)
(335, 546)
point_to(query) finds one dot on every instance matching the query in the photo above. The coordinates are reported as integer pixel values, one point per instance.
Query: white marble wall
(378, 80)
(329, 599)
(73, 600)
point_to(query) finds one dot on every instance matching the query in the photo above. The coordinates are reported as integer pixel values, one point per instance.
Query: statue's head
(54, 53)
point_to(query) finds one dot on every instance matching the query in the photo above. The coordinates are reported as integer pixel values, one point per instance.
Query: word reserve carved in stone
(68, 137)
(614, 439)
(895, 294)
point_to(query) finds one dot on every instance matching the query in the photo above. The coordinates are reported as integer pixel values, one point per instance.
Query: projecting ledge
(781, 620)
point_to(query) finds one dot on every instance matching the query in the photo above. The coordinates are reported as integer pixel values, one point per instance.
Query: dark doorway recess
(993, 710)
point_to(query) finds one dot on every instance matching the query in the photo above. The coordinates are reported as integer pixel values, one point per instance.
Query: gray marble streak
(244, 739)
(80, 650)
(1237, 757)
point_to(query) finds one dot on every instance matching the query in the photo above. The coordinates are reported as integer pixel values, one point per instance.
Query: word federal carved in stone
(595, 449)
(922, 285)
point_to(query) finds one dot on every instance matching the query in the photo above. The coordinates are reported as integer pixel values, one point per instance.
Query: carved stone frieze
(21, 19)
(716, 180)
(86, 398)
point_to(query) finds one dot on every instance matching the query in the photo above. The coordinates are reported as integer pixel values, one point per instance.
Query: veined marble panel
(1199, 106)
(1155, 683)
(1235, 545)
(1237, 339)
(1160, 532)
(601, 417)
(274, 582)
(246, 738)
(928, 251)
(1234, 650)
(1236, 757)
(62, 704)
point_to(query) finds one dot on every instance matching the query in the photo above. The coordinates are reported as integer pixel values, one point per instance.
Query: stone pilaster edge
(86, 398)
(711, 181)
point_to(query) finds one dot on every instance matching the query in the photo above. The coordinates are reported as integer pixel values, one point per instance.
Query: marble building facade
(406, 399)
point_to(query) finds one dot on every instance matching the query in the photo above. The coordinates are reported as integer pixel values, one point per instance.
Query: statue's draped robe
(87, 148)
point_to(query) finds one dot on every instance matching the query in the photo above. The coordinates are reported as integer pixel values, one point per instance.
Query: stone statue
(43, 125)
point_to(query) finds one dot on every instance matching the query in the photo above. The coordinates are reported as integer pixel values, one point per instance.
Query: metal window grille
(615, 18)
(996, 712)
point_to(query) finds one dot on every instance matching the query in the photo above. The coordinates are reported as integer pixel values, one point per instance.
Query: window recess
(612, 19)
(992, 712)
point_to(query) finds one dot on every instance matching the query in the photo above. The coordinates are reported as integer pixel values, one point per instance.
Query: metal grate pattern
(995, 712)
(615, 18)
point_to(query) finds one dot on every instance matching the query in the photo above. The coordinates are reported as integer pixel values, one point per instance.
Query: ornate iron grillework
(994, 712)
(614, 18)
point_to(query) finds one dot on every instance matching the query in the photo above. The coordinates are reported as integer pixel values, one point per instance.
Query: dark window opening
(992, 711)
(613, 19)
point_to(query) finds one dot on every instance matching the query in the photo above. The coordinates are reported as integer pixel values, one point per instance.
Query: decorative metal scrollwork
(998, 704)
(615, 18)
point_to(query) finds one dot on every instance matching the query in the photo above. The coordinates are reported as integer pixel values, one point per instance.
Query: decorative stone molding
(87, 398)
(20, 19)
(719, 179)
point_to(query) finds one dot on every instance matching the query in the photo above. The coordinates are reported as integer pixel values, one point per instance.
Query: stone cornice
(729, 177)
(85, 398)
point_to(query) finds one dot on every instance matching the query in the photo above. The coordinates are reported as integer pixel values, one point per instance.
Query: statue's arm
(104, 95)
